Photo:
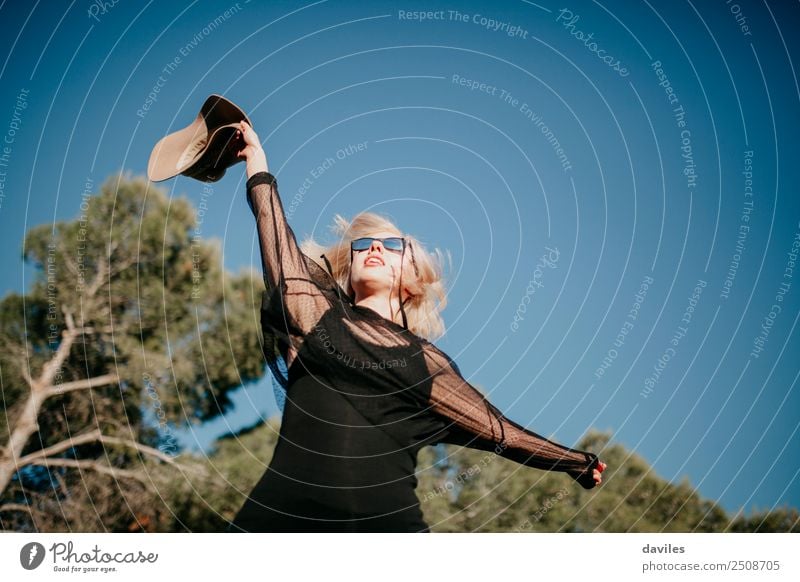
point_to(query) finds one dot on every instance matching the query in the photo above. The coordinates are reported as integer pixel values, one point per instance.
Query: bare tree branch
(68, 319)
(60, 447)
(93, 330)
(102, 271)
(15, 507)
(91, 465)
(88, 437)
(50, 368)
(140, 447)
(40, 389)
(95, 382)
(24, 373)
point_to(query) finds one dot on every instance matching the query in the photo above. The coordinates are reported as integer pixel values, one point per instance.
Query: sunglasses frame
(371, 239)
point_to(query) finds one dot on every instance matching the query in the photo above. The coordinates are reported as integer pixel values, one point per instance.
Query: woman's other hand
(588, 481)
(598, 478)
(252, 152)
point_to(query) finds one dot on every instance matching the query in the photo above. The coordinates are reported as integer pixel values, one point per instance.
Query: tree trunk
(27, 424)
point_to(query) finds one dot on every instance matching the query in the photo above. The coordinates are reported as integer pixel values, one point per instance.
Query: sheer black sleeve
(297, 289)
(474, 422)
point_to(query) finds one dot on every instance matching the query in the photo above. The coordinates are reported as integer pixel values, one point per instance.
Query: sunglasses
(392, 243)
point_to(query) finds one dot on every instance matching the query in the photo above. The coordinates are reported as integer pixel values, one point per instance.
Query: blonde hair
(428, 294)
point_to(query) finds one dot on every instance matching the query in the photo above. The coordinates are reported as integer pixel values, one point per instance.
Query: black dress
(363, 396)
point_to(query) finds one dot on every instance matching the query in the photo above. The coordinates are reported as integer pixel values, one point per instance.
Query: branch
(95, 382)
(92, 465)
(93, 330)
(15, 507)
(68, 318)
(55, 363)
(140, 447)
(27, 377)
(88, 437)
(50, 368)
(59, 447)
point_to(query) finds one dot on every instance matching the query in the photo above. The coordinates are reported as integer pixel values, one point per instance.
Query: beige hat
(204, 149)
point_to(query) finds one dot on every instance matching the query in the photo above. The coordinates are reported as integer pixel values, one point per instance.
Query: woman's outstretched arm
(283, 263)
(474, 422)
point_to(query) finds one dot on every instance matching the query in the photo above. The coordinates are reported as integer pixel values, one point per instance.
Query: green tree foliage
(130, 327)
(466, 490)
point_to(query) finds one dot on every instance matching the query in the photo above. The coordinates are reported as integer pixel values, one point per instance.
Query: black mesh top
(363, 395)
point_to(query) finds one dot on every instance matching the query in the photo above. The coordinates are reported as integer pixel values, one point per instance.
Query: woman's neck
(380, 304)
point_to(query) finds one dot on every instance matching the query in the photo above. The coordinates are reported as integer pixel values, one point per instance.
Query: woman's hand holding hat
(252, 152)
(205, 148)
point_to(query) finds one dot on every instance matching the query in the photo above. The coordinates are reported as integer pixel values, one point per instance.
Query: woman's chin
(374, 285)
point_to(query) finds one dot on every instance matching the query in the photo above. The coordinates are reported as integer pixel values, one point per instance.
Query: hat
(204, 149)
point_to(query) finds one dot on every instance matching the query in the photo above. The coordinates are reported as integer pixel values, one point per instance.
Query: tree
(467, 490)
(131, 314)
(783, 519)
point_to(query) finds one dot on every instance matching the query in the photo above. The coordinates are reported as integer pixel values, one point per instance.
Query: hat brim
(205, 148)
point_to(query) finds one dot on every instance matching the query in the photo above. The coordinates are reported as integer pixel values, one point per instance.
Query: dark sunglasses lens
(361, 244)
(393, 244)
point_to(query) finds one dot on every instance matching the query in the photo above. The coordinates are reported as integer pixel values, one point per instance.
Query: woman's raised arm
(474, 422)
(284, 265)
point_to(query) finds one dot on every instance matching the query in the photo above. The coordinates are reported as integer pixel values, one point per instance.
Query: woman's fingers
(250, 140)
(597, 477)
(252, 151)
(250, 136)
(243, 153)
(597, 473)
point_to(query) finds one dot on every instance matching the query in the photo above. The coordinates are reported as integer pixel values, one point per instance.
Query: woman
(364, 391)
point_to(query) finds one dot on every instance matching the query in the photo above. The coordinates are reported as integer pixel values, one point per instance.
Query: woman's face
(377, 270)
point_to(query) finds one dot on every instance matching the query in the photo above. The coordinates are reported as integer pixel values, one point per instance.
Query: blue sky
(616, 135)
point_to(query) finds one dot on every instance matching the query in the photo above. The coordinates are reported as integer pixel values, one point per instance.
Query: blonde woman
(347, 333)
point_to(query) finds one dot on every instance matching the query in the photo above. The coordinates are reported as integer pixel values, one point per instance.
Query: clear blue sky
(636, 191)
